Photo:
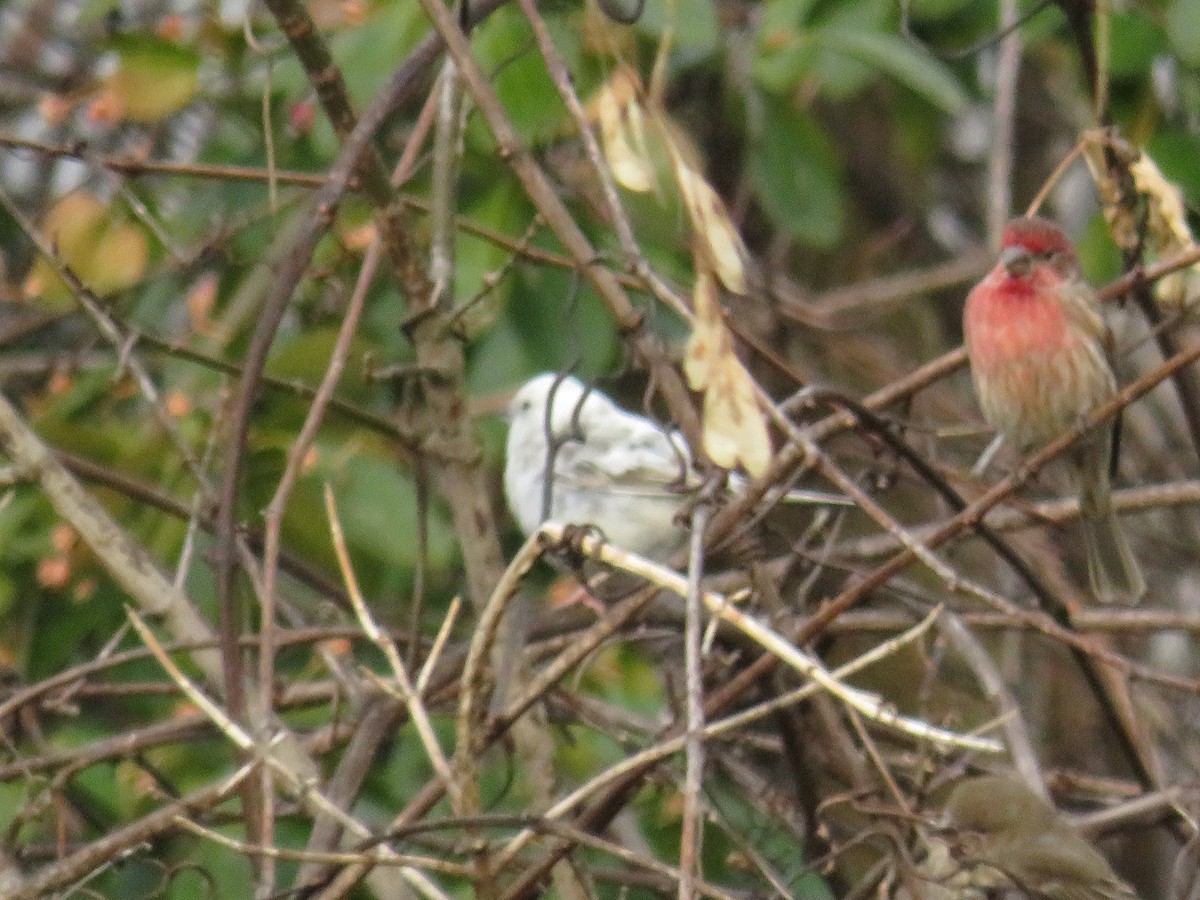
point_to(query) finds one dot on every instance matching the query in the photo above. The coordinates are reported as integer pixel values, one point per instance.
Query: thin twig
(1000, 163)
(868, 704)
(409, 694)
(692, 832)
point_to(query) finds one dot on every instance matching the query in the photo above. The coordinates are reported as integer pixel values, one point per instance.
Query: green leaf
(794, 170)
(694, 22)
(1176, 152)
(377, 504)
(839, 74)
(1134, 44)
(500, 206)
(504, 46)
(558, 321)
(784, 61)
(1183, 30)
(897, 57)
(784, 15)
(154, 78)
(935, 10)
(368, 53)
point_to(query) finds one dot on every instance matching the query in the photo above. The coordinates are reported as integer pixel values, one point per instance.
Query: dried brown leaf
(618, 109)
(1166, 219)
(717, 241)
(735, 430)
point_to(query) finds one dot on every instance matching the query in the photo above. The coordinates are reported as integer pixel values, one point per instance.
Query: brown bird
(1004, 840)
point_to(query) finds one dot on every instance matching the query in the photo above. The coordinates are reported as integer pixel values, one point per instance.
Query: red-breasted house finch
(1039, 357)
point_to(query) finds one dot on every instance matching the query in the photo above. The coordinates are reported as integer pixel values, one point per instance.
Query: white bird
(613, 469)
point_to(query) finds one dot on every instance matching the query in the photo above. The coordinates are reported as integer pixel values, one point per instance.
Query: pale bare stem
(135, 166)
(873, 754)
(577, 650)
(915, 548)
(942, 367)
(144, 215)
(867, 703)
(712, 730)
(1126, 621)
(472, 700)
(746, 845)
(122, 345)
(855, 305)
(269, 140)
(184, 565)
(1054, 512)
(236, 734)
(974, 512)
(273, 521)
(867, 504)
(273, 751)
(297, 453)
(1044, 191)
(106, 652)
(1120, 287)
(380, 639)
(413, 877)
(432, 864)
(63, 877)
(811, 452)
(416, 140)
(692, 832)
(1020, 746)
(1000, 164)
(439, 644)
(629, 858)
(449, 93)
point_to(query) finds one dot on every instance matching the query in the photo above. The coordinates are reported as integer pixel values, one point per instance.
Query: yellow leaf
(1168, 233)
(106, 255)
(716, 238)
(1120, 223)
(153, 79)
(119, 259)
(1167, 222)
(623, 131)
(74, 222)
(708, 338)
(735, 430)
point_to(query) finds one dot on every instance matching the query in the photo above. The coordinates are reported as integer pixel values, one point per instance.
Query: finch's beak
(1017, 261)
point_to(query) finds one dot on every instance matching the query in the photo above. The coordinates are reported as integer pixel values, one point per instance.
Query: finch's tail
(1113, 570)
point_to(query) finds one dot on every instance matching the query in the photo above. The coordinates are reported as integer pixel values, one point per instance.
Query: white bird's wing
(625, 453)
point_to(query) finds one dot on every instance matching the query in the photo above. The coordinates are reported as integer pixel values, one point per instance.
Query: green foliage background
(828, 130)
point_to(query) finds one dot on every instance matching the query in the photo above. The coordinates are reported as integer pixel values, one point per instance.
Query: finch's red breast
(1014, 319)
(1037, 369)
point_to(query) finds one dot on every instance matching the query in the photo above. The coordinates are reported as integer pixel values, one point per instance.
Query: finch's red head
(1030, 241)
